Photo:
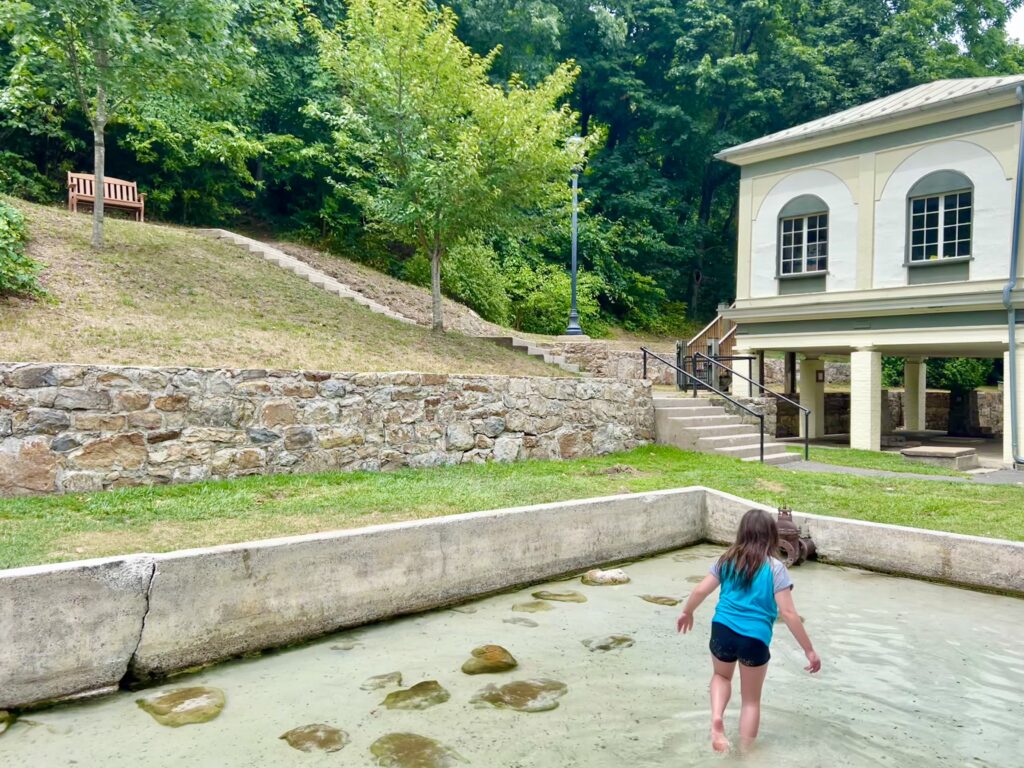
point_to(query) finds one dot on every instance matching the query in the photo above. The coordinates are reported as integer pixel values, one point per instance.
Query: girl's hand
(815, 662)
(685, 622)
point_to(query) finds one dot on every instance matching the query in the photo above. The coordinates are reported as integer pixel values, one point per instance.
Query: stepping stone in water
(420, 696)
(184, 706)
(609, 643)
(345, 645)
(377, 682)
(599, 578)
(488, 659)
(532, 606)
(409, 750)
(316, 738)
(570, 596)
(538, 695)
(521, 621)
(660, 600)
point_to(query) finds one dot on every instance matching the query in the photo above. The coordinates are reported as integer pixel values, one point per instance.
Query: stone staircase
(697, 424)
(329, 284)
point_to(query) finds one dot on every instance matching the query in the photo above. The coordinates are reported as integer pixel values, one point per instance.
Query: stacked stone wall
(83, 428)
(601, 359)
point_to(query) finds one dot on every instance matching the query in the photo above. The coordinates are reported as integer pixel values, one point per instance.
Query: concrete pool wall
(80, 628)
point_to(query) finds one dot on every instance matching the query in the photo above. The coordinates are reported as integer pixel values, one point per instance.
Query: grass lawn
(889, 462)
(162, 295)
(57, 528)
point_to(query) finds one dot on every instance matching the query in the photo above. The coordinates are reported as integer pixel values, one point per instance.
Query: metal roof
(917, 99)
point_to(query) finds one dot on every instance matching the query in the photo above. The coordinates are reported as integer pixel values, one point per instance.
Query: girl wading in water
(756, 589)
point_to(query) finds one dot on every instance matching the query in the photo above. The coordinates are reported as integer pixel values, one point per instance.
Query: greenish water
(915, 675)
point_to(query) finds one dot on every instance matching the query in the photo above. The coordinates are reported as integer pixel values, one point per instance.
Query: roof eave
(993, 98)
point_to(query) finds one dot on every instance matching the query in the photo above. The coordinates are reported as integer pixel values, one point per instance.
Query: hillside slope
(167, 296)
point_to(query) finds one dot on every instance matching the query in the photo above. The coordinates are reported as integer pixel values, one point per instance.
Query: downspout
(1010, 376)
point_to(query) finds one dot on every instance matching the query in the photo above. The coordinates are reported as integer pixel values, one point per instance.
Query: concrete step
(751, 450)
(777, 458)
(725, 442)
(703, 422)
(727, 430)
(668, 401)
(705, 410)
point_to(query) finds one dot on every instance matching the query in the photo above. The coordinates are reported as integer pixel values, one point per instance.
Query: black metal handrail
(705, 385)
(803, 409)
(691, 361)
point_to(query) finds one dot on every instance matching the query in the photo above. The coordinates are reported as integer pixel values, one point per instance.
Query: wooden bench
(117, 193)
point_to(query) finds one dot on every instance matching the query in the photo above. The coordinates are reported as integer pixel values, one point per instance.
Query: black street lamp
(573, 329)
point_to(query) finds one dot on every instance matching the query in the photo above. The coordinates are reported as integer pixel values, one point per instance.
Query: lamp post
(573, 328)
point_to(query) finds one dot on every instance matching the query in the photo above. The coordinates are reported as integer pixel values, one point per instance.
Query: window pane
(948, 249)
(917, 238)
(931, 204)
(931, 220)
(964, 232)
(812, 236)
(965, 199)
(951, 201)
(787, 225)
(964, 215)
(931, 251)
(949, 234)
(798, 238)
(918, 222)
(949, 217)
(963, 248)
(931, 236)
(917, 253)
(918, 205)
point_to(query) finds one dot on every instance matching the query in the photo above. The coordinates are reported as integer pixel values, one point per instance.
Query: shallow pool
(914, 674)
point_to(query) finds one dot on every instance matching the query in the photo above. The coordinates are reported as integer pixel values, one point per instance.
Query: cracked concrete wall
(79, 628)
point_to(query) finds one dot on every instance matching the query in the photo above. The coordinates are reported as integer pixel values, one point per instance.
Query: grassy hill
(161, 295)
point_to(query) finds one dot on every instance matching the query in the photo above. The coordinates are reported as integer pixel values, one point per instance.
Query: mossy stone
(538, 695)
(661, 600)
(410, 750)
(609, 643)
(184, 706)
(422, 695)
(569, 596)
(488, 659)
(532, 606)
(317, 737)
(6, 720)
(598, 578)
(377, 682)
(521, 621)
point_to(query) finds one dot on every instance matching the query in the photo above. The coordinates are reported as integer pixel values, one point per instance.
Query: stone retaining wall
(601, 359)
(85, 428)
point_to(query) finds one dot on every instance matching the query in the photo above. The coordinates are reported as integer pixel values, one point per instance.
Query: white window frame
(940, 228)
(802, 247)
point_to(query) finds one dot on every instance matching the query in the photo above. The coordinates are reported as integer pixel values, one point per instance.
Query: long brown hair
(756, 540)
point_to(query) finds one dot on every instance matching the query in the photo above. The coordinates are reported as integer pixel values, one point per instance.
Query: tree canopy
(661, 86)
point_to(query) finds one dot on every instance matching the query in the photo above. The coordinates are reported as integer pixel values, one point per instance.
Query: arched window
(940, 209)
(803, 237)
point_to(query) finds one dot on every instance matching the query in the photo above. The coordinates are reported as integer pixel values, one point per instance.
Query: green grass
(888, 462)
(159, 295)
(57, 528)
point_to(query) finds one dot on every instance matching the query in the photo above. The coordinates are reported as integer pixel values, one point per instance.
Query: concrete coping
(79, 629)
(938, 452)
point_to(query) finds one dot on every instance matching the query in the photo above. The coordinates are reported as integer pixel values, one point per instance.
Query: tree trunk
(435, 288)
(99, 127)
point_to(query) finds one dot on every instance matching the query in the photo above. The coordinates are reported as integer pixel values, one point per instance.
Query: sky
(1016, 25)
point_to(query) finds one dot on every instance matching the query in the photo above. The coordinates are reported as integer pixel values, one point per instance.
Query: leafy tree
(18, 272)
(108, 57)
(432, 150)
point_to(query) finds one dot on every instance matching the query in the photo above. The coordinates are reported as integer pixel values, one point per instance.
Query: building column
(748, 368)
(812, 395)
(789, 374)
(915, 387)
(865, 400)
(1019, 394)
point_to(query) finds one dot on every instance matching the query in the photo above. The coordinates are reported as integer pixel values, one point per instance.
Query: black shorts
(728, 646)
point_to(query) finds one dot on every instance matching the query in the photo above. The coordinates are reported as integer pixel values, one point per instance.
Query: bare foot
(719, 742)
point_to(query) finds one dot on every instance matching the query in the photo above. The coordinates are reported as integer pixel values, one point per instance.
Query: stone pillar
(865, 402)
(812, 395)
(1007, 394)
(915, 375)
(748, 368)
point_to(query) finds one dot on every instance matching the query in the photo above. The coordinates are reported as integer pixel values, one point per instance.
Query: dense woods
(265, 115)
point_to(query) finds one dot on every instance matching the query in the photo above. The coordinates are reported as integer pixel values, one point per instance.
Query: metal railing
(703, 372)
(704, 385)
(803, 409)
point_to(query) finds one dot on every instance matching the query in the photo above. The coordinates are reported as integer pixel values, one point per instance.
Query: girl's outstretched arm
(787, 609)
(685, 622)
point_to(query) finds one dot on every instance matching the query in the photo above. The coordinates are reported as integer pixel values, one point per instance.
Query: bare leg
(751, 682)
(721, 690)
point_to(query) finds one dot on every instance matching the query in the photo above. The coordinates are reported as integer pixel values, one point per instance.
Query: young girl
(755, 590)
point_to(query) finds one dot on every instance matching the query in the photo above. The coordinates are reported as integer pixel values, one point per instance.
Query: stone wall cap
(935, 451)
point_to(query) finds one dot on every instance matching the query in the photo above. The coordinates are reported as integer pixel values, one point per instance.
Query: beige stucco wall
(871, 177)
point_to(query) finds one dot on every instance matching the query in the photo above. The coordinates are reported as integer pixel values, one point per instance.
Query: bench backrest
(113, 189)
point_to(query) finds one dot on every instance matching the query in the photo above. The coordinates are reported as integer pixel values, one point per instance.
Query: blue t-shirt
(751, 612)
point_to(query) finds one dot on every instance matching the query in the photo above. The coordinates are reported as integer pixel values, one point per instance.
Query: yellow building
(886, 230)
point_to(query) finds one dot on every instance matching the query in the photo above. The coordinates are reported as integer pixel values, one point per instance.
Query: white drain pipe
(1010, 376)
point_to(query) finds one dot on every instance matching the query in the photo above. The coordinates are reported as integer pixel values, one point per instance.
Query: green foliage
(20, 178)
(541, 297)
(959, 374)
(892, 371)
(18, 273)
(428, 147)
(472, 276)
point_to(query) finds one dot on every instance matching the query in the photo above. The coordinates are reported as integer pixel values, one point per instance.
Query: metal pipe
(1010, 376)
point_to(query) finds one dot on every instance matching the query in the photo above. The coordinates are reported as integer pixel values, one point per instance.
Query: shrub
(18, 273)
(541, 297)
(470, 275)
